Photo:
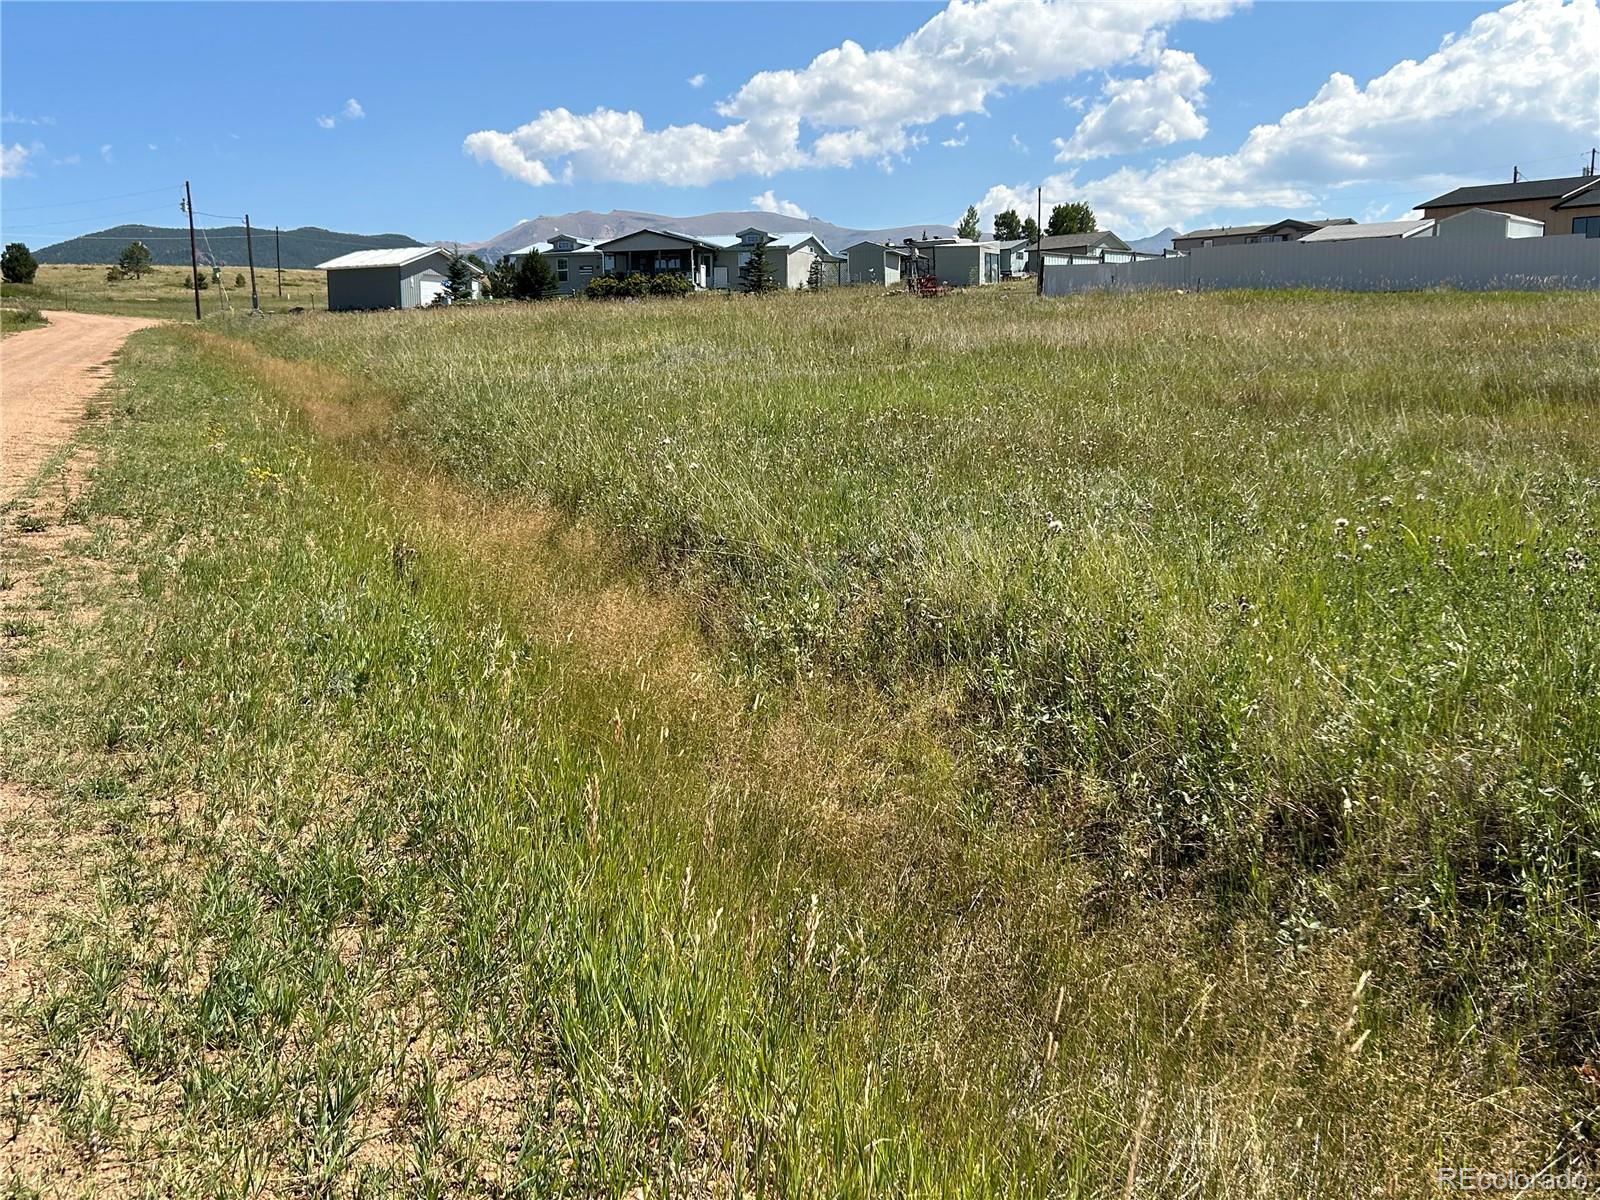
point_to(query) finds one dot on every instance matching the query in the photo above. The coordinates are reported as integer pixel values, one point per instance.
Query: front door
(719, 278)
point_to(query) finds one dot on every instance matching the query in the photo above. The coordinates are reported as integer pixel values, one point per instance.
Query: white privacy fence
(1389, 265)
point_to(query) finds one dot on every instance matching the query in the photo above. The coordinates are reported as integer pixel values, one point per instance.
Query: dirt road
(46, 377)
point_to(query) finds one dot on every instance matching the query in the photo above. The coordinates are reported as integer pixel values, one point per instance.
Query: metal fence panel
(1390, 265)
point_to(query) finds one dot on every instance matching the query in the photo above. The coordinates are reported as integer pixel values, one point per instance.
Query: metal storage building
(403, 277)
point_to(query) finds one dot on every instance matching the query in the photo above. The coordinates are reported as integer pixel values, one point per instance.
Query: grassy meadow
(824, 745)
(163, 292)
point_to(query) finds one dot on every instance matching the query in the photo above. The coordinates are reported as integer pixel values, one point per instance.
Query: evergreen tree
(816, 276)
(458, 277)
(757, 273)
(503, 279)
(134, 259)
(1030, 229)
(17, 264)
(536, 278)
(1071, 218)
(1007, 226)
(969, 224)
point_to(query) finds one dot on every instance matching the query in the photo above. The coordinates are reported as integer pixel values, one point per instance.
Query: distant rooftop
(1372, 229)
(1523, 189)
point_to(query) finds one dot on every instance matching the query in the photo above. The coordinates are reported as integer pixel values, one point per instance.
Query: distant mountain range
(169, 246)
(587, 224)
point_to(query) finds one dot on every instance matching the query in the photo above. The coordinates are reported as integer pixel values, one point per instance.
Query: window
(1587, 226)
(608, 263)
(561, 269)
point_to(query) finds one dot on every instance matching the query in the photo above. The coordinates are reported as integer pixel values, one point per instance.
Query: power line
(132, 212)
(92, 200)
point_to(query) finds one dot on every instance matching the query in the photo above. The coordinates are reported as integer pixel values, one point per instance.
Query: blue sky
(354, 116)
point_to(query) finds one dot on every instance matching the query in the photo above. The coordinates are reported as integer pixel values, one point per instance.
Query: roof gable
(618, 243)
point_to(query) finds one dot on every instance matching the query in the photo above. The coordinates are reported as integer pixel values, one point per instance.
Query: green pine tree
(1007, 226)
(757, 274)
(1071, 218)
(17, 264)
(134, 259)
(969, 224)
(459, 278)
(536, 278)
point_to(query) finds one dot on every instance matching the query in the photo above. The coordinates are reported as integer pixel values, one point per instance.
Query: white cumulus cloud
(769, 203)
(850, 104)
(14, 159)
(352, 111)
(1136, 114)
(697, 80)
(1517, 81)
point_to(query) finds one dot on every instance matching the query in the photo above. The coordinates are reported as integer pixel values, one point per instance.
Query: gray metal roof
(1245, 230)
(1523, 189)
(397, 256)
(1372, 229)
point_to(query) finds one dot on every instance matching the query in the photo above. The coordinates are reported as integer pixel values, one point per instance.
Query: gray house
(716, 260)
(876, 262)
(404, 277)
(574, 260)
(1101, 245)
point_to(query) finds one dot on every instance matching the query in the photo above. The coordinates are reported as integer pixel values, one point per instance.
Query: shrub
(17, 263)
(238, 280)
(670, 285)
(114, 273)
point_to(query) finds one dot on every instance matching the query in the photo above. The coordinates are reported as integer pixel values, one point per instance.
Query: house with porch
(717, 260)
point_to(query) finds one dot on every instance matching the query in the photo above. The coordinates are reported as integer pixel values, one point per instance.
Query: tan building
(1291, 229)
(1570, 205)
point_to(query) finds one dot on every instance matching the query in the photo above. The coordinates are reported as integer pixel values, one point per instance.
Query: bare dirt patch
(46, 378)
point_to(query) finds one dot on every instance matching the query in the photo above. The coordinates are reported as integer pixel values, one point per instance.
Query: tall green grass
(423, 851)
(1287, 600)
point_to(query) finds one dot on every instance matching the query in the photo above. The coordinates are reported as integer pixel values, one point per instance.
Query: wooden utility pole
(277, 249)
(1038, 237)
(194, 256)
(250, 254)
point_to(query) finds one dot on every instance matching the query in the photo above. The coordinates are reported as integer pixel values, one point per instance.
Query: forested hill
(303, 247)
